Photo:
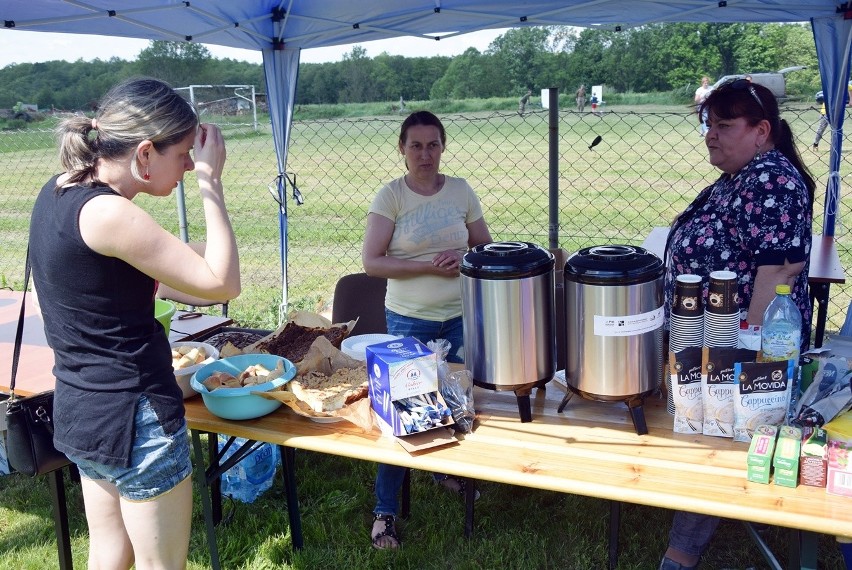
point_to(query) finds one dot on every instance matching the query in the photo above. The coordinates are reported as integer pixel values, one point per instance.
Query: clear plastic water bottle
(253, 475)
(781, 335)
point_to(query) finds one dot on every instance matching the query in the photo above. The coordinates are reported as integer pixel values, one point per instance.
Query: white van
(775, 82)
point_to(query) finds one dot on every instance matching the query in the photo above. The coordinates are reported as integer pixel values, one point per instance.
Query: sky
(34, 47)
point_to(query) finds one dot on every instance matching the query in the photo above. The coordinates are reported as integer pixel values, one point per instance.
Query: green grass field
(648, 167)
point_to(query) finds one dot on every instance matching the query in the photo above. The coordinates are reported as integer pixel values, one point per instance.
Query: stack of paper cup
(686, 319)
(722, 318)
(670, 407)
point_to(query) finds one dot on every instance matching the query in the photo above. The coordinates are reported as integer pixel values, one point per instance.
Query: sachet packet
(762, 395)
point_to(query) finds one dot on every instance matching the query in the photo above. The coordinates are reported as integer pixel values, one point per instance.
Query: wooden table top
(590, 449)
(35, 367)
(825, 264)
(825, 261)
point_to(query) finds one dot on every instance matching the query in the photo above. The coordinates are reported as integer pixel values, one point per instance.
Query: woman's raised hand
(209, 151)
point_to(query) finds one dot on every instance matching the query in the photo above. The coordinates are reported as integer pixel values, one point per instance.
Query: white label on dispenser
(629, 325)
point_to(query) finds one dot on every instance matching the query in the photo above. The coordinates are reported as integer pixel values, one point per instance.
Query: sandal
(388, 532)
(455, 485)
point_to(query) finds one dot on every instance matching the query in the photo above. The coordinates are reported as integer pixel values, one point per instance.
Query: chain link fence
(649, 164)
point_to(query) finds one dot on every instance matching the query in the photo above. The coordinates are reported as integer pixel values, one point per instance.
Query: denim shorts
(158, 462)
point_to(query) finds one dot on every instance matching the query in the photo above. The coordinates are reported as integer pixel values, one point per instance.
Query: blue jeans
(158, 461)
(424, 331)
(691, 532)
(389, 477)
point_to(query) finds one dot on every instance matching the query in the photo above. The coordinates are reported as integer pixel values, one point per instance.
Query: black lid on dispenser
(613, 265)
(506, 260)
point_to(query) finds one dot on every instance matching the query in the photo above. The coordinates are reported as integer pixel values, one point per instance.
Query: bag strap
(19, 334)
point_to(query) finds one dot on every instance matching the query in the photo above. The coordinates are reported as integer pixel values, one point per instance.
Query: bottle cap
(782, 289)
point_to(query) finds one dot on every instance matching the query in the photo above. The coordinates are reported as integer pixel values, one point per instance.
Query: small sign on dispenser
(629, 325)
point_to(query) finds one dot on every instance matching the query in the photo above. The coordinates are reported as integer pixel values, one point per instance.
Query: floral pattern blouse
(760, 216)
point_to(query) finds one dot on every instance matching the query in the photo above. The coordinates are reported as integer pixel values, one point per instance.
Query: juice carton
(839, 476)
(760, 453)
(813, 461)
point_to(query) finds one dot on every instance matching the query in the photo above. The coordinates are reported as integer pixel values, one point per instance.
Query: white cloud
(33, 47)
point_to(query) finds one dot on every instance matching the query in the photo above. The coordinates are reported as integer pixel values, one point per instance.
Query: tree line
(646, 59)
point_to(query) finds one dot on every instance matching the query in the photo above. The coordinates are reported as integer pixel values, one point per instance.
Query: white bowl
(356, 346)
(184, 374)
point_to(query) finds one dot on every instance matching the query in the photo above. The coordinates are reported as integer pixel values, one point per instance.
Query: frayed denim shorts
(158, 461)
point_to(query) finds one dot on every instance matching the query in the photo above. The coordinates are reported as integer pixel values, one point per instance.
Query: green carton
(786, 457)
(760, 454)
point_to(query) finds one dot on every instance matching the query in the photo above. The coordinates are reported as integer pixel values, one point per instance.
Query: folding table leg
(469, 499)
(288, 464)
(216, 484)
(761, 545)
(406, 494)
(803, 549)
(60, 518)
(819, 294)
(614, 525)
(201, 481)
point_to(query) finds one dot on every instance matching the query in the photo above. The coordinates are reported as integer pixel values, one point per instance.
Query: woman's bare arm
(767, 277)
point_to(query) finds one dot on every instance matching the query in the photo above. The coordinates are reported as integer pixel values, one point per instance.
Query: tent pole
(832, 37)
(832, 198)
(281, 69)
(284, 248)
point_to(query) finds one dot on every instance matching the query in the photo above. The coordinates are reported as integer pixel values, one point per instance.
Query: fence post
(180, 198)
(553, 170)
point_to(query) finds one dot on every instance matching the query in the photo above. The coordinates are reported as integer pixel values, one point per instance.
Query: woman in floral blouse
(755, 220)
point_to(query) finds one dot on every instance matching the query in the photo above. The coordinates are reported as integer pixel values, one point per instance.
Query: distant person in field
(401, 104)
(522, 103)
(595, 102)
(823, 118)
(700, 95)
(581, 98)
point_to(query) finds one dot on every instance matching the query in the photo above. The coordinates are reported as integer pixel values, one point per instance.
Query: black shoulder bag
(29, 421)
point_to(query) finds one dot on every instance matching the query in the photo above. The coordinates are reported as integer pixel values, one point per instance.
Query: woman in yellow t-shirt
(418, 228)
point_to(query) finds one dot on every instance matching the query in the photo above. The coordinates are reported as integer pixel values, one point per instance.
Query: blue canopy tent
(281, 28)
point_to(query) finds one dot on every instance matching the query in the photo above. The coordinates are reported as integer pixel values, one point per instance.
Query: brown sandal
(389, 532)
